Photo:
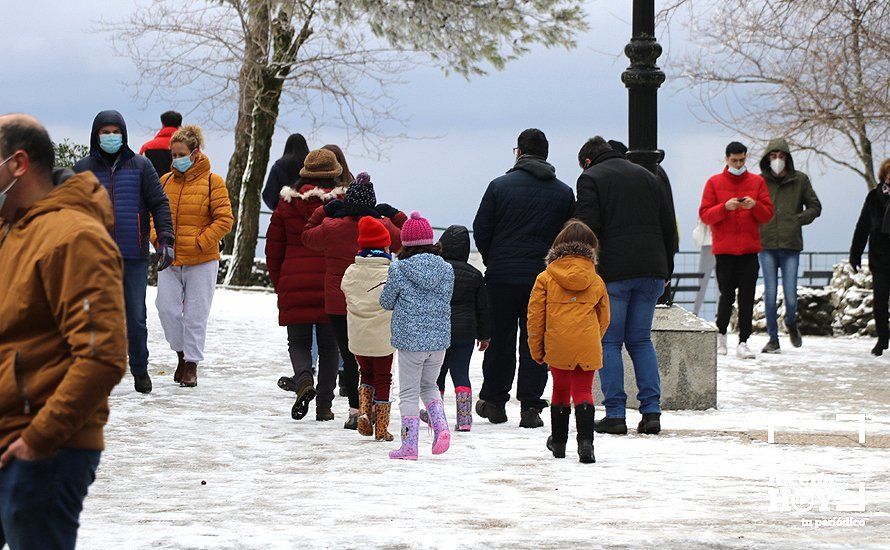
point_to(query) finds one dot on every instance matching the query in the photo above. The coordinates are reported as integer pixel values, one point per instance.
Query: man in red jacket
(157, 150)
(735, 203)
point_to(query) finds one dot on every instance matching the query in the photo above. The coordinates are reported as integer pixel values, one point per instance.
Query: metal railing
(688, 262)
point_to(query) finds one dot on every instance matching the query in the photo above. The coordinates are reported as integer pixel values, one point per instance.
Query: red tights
(377, 372)
(572, 385)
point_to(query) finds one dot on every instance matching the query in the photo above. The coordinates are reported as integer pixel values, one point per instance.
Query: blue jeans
(40, 501)
(770, 262)
(632, 306)
(135, 283)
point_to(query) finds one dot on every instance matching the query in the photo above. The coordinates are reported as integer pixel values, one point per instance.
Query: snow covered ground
(224, 466)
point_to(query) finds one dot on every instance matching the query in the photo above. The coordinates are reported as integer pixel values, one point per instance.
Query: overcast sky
(59, 69)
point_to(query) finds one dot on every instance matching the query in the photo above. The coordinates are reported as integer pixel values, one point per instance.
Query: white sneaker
(721, 344)
(742, 352)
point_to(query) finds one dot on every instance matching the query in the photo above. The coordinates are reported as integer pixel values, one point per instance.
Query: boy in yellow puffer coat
(202, 215)
(568, 313)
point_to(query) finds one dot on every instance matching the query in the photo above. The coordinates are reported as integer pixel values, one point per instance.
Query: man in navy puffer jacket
(520, 215)
(136, 194)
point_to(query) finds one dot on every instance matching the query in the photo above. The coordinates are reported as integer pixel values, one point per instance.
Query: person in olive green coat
(796, 205)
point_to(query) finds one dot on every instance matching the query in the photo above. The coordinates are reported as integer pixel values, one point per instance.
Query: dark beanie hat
(361, 192)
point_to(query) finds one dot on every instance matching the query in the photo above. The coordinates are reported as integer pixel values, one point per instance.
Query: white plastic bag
(701, 235)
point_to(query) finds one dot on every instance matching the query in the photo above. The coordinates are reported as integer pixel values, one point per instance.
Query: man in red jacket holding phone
(735, 203)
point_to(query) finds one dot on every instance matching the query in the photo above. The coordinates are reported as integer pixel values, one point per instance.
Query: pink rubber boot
(410, 429)
(442, 437)
(464, 408)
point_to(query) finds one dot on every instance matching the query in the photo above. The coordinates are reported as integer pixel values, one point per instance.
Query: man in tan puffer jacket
(63, 344)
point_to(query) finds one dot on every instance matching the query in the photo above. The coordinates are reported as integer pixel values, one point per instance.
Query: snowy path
(272, 482)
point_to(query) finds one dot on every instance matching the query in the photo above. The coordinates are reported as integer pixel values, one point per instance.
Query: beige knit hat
(321, 164)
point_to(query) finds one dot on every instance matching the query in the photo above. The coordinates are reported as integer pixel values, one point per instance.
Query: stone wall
(843, 307)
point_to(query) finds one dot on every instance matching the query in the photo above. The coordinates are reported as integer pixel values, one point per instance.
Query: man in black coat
(519, 216)
(666, 181)
(630, 211)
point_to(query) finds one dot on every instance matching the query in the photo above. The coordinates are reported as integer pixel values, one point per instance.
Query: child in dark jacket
(568, 313)
(418, 292)
(470, 324)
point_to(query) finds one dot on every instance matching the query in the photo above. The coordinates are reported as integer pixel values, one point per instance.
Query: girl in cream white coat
(368, 326)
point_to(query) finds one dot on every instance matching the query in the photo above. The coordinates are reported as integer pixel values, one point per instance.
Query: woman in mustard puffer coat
(202, 215)
(568, 313)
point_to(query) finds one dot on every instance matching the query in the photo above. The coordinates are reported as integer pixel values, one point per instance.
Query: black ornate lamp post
(642, 79)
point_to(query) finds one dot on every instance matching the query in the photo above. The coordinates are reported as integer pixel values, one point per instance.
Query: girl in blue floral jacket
(418, 291)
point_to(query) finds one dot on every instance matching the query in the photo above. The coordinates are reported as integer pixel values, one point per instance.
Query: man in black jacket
(519, 216)
(629, 210)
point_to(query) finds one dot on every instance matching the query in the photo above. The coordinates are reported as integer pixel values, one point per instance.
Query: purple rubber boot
(442, 437)
(464, 408)
(410, 429)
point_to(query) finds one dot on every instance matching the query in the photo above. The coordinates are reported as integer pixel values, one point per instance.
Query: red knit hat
(417, 231)
(372, 234)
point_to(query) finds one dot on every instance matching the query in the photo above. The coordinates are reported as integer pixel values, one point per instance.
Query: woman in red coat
(298, 274)
(333, 231)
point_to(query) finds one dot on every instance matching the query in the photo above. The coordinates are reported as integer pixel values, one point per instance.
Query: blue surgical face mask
(182, 164)
(111, 143)
(737, 171)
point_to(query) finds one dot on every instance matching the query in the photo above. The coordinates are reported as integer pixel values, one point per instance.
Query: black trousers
(350, 366)
(299, 345)
(881, 293)
(736, 274)
(509, 312)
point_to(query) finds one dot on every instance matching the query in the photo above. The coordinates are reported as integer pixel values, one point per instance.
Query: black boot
(880, 347)
(305, 394)
(323, 414)
(142, 383)
(341, 387)
(772, 346)
(650, 424)
(615, 426)
(494, 413)
(559, 430)
(794, 335)
(287, 383)
(530, 418)
(584, 425)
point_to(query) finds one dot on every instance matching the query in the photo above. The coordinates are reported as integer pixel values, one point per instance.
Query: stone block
(686, 346)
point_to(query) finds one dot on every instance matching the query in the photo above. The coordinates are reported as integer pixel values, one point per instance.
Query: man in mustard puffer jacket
(63, 342)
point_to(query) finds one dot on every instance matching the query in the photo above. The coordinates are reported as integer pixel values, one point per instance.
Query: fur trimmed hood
(572, 266)
(571, 249)
(288, 194)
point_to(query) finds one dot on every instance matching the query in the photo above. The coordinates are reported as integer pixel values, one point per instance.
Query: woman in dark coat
(873, 228)
(298, 274)
(286, 170)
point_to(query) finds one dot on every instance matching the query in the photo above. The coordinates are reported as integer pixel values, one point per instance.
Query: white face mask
(4, 192)
(736, 171)
(777, 166)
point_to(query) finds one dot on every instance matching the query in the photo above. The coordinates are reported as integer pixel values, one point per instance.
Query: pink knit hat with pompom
(417, 231)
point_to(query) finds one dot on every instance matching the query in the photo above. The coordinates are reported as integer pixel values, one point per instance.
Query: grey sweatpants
(418, 372)
(184, 297)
